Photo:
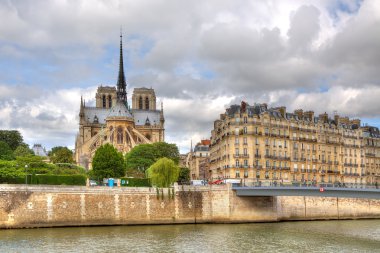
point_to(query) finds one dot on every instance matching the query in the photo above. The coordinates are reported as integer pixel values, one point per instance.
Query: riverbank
(47, 206)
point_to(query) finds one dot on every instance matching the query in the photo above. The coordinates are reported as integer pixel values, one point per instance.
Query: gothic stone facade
(257, 143)
(113, 121)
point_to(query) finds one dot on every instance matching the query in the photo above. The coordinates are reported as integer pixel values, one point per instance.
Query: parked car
(93, 183)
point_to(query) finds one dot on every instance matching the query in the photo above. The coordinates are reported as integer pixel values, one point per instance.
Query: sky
(199, 56)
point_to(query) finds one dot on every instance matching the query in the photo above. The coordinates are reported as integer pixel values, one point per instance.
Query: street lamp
(26, 175)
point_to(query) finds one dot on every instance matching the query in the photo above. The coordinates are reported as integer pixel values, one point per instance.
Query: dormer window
(96, 120)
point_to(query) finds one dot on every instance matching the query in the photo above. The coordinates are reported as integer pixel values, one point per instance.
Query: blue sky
(199, 57)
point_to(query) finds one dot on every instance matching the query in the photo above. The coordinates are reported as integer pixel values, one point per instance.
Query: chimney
(324, 117)
(336, 119)
(309, 115)
(282, 110)
(299, 113)
(356, 122)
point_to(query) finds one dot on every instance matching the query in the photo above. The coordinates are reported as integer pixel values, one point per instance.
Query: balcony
(257, 156)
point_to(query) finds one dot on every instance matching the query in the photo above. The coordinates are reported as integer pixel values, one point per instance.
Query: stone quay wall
(48, 206)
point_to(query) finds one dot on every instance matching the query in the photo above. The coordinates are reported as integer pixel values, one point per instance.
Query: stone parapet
(52, 206)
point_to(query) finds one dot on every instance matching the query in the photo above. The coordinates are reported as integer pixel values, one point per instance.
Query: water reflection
(316, 236)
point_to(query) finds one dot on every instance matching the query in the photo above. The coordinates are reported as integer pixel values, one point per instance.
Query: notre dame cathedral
(113, 121)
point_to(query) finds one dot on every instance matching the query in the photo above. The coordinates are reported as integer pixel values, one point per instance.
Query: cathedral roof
(119, 110)
(100, 113)
(141, 117)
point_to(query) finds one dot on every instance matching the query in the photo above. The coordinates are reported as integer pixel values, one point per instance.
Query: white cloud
(198, 56)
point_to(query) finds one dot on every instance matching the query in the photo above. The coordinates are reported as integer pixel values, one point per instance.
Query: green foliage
(163, 173)
(23, 150)
(184, 175)
(59, 179)
(141, 157)
(6, 152)
(107, 162)
(68, 169)
(12, 137)
(167, 150)
(61, 155)
(134, 182)
(32, 161)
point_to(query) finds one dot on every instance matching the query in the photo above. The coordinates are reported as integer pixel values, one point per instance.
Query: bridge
(248, 191)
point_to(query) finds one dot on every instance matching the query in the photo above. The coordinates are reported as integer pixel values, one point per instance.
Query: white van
(198, 182)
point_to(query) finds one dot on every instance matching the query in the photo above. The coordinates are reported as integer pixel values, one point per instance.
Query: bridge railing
(277, 183)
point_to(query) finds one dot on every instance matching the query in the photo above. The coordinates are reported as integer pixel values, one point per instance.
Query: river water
(312, 236)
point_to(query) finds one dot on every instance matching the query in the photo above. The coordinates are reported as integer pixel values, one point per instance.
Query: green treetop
(108, 162)
(141, 157)
(163, 173)
(61, 155)
(23, 150)
(12, 137)
(6, 152)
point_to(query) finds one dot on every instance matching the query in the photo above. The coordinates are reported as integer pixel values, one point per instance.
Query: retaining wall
(48, 206)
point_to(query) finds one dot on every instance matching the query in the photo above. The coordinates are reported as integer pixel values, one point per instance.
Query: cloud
(199, 57)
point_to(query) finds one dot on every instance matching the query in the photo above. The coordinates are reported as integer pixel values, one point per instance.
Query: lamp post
(26, 175)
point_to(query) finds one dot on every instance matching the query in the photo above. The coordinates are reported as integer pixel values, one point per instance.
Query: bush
(59, 179)
(12, 180)
(135, 182)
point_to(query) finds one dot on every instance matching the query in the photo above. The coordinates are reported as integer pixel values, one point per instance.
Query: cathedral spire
(121, 84)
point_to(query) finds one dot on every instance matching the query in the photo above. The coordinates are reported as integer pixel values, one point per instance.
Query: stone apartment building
(199, 160)
(257, 143)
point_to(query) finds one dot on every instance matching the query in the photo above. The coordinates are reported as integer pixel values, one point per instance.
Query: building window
(111, 134)
(245, 140)
(245, 120)
(236, 140)
(237, 163)
(147, 103)
(236, 151)
(119, 135)
(109, 101)
(140, 103)
(246, 173)
(245, 162)
(267, 164)
(245, 152)
(104, 101)
(245, 130)
(237, 174)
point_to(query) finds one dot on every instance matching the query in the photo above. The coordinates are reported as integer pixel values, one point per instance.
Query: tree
(23, 150)
(61, 155)
(163, 173)
(6, 152)
(184, 175)
(167, 150)
(143, 156)
(12, 137)
(108, 162)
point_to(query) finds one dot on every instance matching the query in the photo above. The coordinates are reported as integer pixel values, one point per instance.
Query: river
(312, 236)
